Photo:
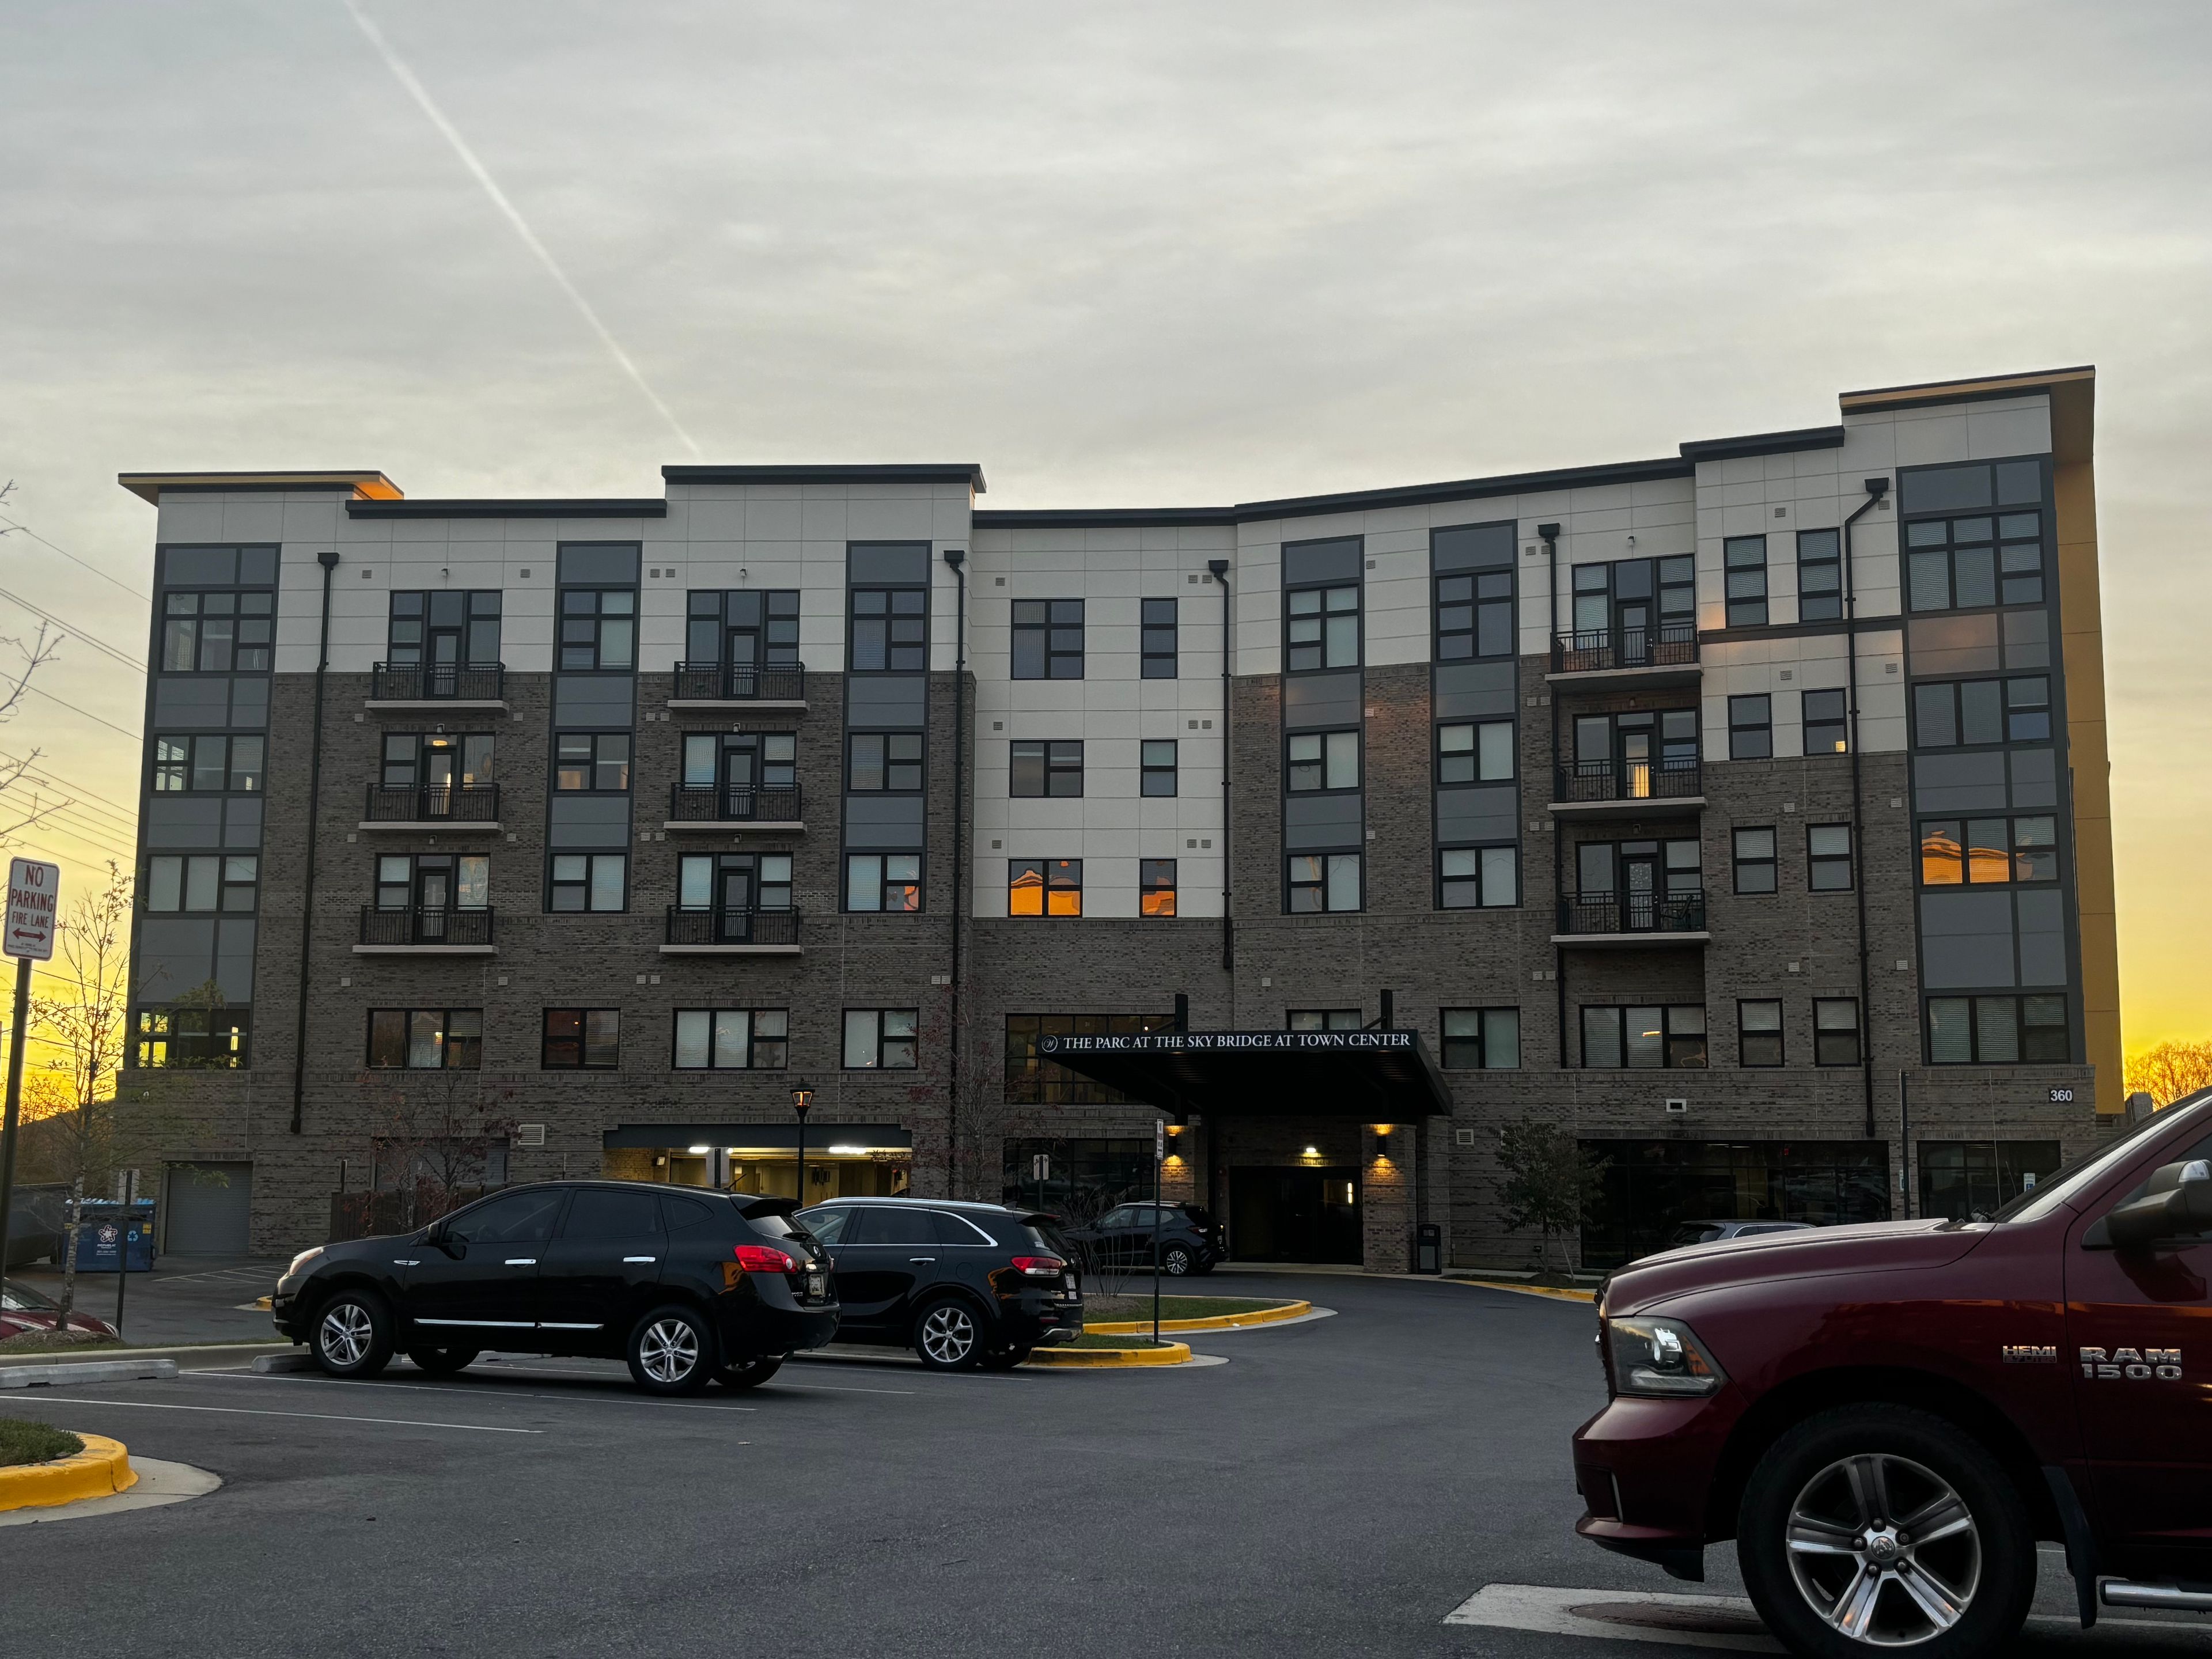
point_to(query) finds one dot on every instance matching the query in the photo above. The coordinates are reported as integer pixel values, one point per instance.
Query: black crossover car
(1188, 1241)
(963, 1284)
(685, 1285)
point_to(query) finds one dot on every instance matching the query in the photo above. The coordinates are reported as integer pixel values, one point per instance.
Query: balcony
(1664, 655)
(1629, 789)
(405, 688)
(461, 809)
(732, 934)
(1634, 920)
(712, 685)
(421, 932)
(735, 810)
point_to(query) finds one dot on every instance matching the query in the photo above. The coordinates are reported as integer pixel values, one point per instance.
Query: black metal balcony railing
(1635, 912)
(422, 927)
(1618, 779)
(715, 682)
(733, 926)
(1666, 645)
(466, 803)
(708, 804)
(473, 682)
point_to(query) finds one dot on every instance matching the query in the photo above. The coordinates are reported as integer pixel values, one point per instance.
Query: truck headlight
(1660, 1357)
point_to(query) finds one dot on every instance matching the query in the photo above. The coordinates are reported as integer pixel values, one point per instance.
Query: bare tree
(1550, 1184)
(2171, 1071)
(440, 1142)
(85, 1020)
(21, 803)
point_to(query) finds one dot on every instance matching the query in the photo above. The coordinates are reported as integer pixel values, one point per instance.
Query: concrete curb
(180, 1351)
(298, 1360)
(1526, 1290)
(100, 1470)
(1175, 1354)
(1216, 1322)
(103, 1371)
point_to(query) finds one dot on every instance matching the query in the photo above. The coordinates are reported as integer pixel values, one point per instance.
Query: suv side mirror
(2177, 1203)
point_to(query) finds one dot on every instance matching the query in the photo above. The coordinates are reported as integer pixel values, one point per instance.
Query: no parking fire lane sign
(34, 897)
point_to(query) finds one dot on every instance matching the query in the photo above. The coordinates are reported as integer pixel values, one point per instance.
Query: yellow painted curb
(1218, 1322)
(1528, 1290)
(1175, 1354)
(100, 1470)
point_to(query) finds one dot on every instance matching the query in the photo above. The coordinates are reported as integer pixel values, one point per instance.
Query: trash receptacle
(114, 1233)
(1429, 1249)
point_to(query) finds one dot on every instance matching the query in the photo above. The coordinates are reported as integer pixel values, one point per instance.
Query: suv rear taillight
(1039, 1266)
(765, 1259)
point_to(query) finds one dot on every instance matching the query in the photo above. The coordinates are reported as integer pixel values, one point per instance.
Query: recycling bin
(114, 1233)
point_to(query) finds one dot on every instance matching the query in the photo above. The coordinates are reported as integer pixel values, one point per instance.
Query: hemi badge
(2031, 1353)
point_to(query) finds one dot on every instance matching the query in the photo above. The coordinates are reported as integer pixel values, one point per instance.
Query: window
(883, 881)
(1037, 768)
(598, 627)
(1828, 857)
(433, 881)
(744, 761)
(1033, 1080)
(880, 1039)
(582, 1039)
(1044, 887)
(1948, 714)
(416, 759)
(1996, 1030)
(733, 881)
(444, 626)
(1322, 627)
(213, 1039)
(1835, 1030)
(1472, 877)
(591, 760)
(1819, 576)
(598, 1213)
(1984, 559)
(889, 762)
(891, 630)
(1323, 1019)
(1482, 1039)
(1826, 730)
(1744, 557)
(1754, 861)
(1640, 1038)
(1474, 616)
(1159, 639)
(742, 628)
(1324, 881)
(1632, 581)
(732, 1039)
(1958, 1178)
(589, 881)
(209, 762)
(426, 1039)
(217, 633)
(1751, 727)
(1759, 1033)
(1157, 759)
(1601, 866)
(1954, 851)
(1323, 760)
(1481, 752)
(1156, 887)
(200, 884)
(1048, 640)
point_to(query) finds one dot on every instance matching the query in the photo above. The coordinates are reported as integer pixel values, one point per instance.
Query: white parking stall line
(610, 1377)
(245, 1411)
(467, 1391)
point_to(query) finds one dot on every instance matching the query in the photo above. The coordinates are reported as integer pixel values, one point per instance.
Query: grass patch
(49, 1342)
(1111, 1310)
(1107, 1339)
(34, 1442)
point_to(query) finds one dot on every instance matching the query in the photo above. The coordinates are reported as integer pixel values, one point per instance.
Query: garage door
(207, 1208)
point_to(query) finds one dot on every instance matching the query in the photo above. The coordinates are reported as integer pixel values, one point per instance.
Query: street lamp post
(802, 1099)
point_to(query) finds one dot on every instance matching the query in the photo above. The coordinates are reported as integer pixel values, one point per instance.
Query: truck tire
(1878, 1528)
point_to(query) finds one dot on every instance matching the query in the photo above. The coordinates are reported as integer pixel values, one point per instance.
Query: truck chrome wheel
(668, 1350)
(1883, 1550)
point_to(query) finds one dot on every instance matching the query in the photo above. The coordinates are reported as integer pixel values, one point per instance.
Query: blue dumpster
(109, 1230)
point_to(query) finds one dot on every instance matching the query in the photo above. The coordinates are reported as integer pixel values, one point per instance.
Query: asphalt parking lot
(1339, 1486)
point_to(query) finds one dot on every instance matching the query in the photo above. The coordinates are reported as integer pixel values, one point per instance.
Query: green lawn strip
(1109, 1339)
(34, 1442)
(1102, 1309)
(47, 1342)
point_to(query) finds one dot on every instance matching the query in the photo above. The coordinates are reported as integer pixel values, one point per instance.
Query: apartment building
(1742, 810)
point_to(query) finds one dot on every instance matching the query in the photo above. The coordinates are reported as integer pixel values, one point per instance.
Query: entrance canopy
(1375, 1077)
(764, 1137)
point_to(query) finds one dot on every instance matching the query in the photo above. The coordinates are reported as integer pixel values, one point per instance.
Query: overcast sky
(1119, 254)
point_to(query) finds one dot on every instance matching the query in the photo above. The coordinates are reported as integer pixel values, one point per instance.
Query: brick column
(1386, 1197)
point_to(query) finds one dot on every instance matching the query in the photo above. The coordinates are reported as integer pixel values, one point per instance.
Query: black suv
(1190, 1242)
(686, 1284)
(963, 1284)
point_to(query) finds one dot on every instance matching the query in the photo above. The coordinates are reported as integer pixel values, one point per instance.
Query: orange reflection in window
(1161, 903)
(1025, 889)
(1940, 864)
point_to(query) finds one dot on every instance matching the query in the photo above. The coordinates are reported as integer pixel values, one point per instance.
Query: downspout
(1550, 533)
(1220, 569)
(957, 557)
(1875, 489)
(329, 559)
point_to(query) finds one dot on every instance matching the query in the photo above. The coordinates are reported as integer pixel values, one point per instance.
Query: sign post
(123, 1242)
(1159, 1170)
(35, 891)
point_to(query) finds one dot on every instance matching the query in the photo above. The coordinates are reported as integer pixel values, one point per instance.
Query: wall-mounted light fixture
(1310, 1152)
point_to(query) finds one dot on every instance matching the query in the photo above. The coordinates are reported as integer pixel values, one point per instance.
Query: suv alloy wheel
(672, 1352)
(353, 1335)
(947, 1337)
(1174, 1260)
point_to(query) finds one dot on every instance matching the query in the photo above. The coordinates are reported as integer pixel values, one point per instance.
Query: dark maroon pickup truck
(1886, 1418)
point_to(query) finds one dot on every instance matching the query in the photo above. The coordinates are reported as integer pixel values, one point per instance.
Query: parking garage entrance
(843, 1160)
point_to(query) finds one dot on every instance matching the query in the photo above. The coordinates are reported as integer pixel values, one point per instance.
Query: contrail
(421, 94)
